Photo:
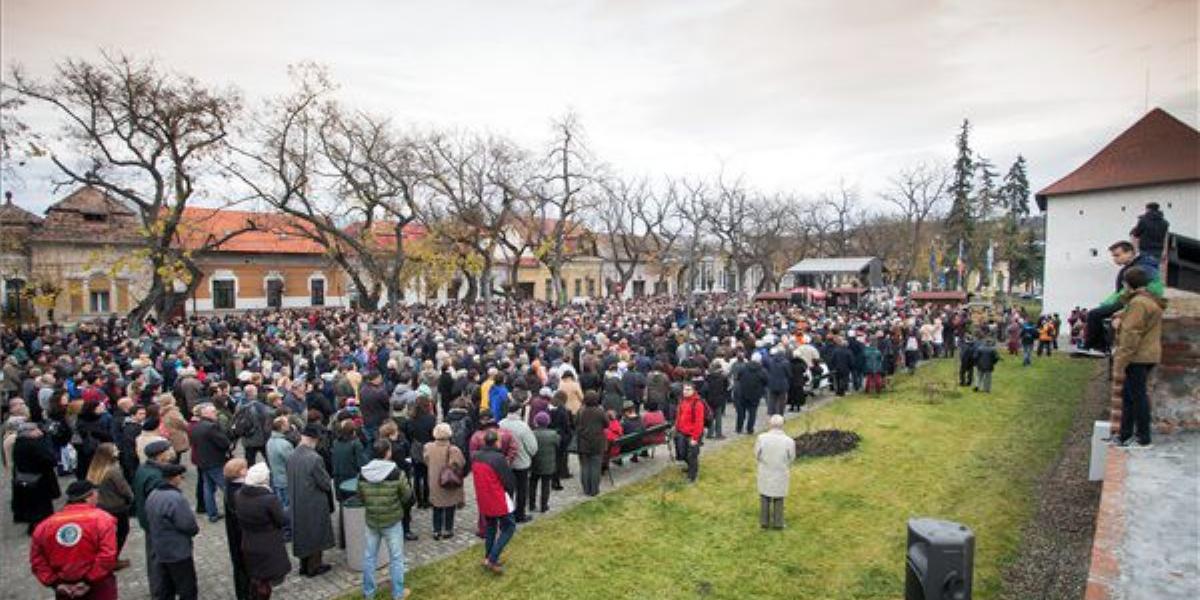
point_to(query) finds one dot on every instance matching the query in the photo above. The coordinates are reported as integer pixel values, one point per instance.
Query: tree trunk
(472, 286)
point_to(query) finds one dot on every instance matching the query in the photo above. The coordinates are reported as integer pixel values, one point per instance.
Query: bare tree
(145, 137)
(919, 193)
(770, 219)
(347, 180)
(841, 208)
(557, 198)
(473, 179)
(694, 207)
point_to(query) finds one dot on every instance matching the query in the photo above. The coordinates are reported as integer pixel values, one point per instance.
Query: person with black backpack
(252, 425)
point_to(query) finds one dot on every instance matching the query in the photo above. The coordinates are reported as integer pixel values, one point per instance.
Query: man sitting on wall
(1095, 341)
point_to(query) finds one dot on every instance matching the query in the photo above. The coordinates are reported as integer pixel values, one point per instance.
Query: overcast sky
(794, 96)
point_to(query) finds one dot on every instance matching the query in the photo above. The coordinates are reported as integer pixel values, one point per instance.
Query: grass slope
(966, 457)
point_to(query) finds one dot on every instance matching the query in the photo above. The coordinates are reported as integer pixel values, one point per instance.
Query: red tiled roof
(272, 234)
(1157, 149)
(772, 296)
(383, 233)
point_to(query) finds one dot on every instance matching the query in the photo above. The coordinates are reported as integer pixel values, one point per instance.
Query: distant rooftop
(852, 264)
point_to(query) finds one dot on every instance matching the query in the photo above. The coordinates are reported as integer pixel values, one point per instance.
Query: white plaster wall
(1080, 227)
(203, 305)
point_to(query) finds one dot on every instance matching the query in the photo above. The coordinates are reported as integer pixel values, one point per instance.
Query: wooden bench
(634, 443)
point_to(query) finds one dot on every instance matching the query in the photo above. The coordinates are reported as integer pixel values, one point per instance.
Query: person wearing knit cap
(172, 525)
(545, 462)
(74, 551)
(261, 518)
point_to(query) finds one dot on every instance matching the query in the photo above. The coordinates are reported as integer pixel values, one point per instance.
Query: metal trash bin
(354, 532)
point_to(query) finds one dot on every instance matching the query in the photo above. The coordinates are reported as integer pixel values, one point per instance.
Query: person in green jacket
(873, 368)
(384, 491)
(1124, 255)
(348, 456)
(545, 461)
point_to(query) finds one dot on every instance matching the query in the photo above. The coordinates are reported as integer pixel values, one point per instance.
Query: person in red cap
(74, 551)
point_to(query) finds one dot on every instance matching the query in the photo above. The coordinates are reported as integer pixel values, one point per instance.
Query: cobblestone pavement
(211, 551)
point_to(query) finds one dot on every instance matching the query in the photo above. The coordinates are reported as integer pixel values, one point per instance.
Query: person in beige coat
(173, 425)
(443, 499)
(569, 386)
(775, 452)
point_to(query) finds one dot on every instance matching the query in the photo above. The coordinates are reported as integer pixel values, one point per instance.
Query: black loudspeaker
(940, 560)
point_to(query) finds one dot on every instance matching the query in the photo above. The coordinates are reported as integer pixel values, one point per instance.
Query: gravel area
(1055, 550)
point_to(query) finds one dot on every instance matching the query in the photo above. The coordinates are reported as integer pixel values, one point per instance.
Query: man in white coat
(775, 452)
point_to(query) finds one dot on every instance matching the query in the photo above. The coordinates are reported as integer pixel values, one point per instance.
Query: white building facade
(1156, 160)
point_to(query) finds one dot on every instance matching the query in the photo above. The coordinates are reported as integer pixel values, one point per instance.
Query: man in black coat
(375, 404)
(210, 450)
(841, 361)
(1151, 232)
(751, 383)
(986, 358)
(966, 362)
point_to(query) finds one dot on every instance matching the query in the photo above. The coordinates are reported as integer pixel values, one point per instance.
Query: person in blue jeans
(495, 485)
(210, 449)
(385, 492)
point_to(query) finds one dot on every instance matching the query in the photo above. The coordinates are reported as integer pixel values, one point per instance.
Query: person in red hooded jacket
(74, 551)
(689, 430)
(494, 487)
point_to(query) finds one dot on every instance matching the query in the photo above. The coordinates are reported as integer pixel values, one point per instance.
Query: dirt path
(1056, 545)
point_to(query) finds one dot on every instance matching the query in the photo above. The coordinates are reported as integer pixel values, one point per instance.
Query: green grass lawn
(967, 457)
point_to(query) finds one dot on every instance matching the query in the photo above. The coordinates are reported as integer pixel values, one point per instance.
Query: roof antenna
(1146, 102)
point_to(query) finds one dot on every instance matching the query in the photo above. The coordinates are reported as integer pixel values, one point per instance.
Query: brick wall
(1174, 385)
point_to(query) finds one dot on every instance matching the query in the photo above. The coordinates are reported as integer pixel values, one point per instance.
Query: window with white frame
(317, 292)
(98, 301)
(224, 294)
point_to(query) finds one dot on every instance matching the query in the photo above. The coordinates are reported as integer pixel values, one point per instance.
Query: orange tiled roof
(383, 233)
(1157, 149)
(272, 234)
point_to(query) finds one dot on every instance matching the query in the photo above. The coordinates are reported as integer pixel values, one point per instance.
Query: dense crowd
(287, 413)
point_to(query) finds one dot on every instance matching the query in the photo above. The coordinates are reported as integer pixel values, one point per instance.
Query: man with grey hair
(774, 451)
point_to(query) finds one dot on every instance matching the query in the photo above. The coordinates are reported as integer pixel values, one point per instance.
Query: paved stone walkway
(1159, 555)
(212, 554)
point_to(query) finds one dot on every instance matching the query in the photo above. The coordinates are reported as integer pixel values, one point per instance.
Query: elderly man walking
(775, 452)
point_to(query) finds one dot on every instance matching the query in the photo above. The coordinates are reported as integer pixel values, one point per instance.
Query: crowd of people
(285, 414)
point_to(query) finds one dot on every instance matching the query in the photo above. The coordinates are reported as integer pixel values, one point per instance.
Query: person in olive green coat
(384, 491)
(545, 462)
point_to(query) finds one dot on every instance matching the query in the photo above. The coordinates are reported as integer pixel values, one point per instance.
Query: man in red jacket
(689, 429)
(494, 487)
(75, 550)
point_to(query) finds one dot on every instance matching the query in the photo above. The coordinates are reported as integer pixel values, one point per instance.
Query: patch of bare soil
(826, 442)
(1056, 545)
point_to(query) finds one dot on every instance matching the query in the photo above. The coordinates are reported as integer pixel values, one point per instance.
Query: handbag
(449, 477)
(27, 481)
